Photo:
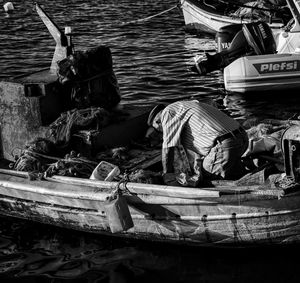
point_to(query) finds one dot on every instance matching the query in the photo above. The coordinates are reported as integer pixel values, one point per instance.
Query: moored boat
(253, 60)
(227, 213)
(263, 73)
(211, 16)
(269, 72)
(224, 216)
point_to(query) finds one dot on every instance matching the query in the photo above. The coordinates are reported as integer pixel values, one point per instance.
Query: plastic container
(118, 214)
(105, 171)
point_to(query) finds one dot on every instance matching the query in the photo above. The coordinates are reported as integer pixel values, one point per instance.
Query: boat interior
(66, 122)
(245, 9)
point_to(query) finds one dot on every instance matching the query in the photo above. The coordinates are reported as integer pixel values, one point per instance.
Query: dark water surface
(151, 61)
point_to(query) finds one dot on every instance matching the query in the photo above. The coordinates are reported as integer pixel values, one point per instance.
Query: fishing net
(44, 154)
(144, 176)
(72, 165)
(33, 160)
(61, 130)
(35, 156)
(288, 184)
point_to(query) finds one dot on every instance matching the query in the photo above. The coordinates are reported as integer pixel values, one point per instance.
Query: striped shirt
(194, 125)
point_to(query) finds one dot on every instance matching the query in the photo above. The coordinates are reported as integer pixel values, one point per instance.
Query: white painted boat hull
(263, 73)
(203, 21)
(206, 220)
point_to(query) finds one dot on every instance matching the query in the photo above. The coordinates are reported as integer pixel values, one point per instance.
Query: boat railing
(294, 6)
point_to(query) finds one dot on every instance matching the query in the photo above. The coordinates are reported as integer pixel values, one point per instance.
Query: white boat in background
(206, 16)
(269, 72)
(263, 73)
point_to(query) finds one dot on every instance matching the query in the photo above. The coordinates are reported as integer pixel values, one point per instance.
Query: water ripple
(152, 59)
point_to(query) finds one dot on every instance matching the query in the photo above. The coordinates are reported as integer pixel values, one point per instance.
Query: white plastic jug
(105, 171)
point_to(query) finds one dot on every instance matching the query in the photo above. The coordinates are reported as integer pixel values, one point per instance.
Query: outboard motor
(254, 39)
(226, 34)
(260, 37)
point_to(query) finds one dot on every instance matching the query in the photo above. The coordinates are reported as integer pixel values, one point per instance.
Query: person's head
(154, 119)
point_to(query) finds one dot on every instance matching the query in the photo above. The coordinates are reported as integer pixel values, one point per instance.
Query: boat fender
(117, 213)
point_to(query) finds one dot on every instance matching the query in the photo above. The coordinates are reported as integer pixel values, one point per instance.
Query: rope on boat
(61, 129)
(71, 165)
(149, 17)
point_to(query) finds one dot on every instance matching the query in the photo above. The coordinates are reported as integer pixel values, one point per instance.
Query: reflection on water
(275, 105)
(152, 59)
(152, 62)
(34, 253)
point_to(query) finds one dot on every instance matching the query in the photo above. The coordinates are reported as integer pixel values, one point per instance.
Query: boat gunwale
(201, 218)
(225, 19)
(147, 196)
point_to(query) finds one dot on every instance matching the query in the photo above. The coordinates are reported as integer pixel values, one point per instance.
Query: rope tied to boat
(122, 188)
(118, 191)
(150, 17)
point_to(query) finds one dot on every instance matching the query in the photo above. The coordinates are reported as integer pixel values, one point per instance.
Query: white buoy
(68, 30)
(8, 7)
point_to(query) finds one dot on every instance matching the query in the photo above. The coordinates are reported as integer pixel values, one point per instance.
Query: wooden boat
(210, 16)
(223, 214)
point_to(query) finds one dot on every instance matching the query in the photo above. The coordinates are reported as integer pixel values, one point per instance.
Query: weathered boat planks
(219, 220)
